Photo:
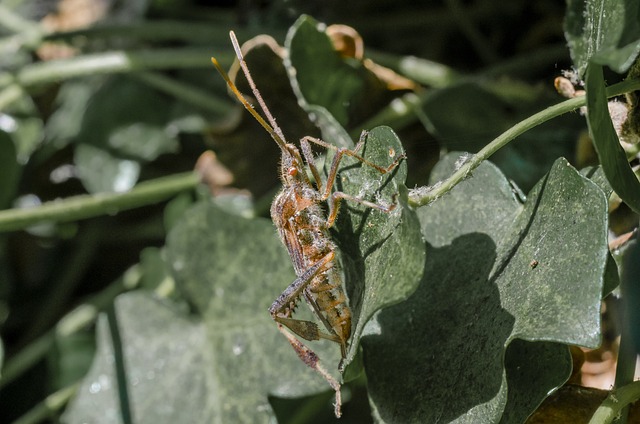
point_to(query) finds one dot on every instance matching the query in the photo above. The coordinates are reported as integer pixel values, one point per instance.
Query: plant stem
(16, 23)
(102, 63)
(617, 399)
(74, 321)
(424, 71)
(630, 296)
(87, 206)
(184, 92)
(483, 47)
(424, 195)
(49, 406)
(162, 30)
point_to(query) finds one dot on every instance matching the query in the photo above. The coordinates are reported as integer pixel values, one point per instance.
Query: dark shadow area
(439, 353)
(532, 367)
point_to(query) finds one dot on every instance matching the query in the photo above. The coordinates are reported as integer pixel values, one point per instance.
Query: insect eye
(292, 171)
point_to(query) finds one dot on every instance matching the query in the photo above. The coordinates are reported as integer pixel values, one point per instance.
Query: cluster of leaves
(464, 301)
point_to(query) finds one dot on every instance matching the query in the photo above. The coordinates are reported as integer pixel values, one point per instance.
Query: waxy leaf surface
(505, 285)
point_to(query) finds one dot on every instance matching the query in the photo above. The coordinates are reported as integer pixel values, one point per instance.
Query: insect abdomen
(329, 296)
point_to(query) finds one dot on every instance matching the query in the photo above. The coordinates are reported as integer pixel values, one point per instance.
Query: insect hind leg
(310, 358)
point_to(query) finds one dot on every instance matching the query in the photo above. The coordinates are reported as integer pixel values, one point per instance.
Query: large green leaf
(605, 31)
(612, 156)
(232, 269)
(161, 349)
(503, 283)
(383, 253)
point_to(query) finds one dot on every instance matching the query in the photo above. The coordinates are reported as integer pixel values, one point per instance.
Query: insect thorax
(302, 224)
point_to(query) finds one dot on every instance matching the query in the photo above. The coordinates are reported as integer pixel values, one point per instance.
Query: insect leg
(280, 310)
(310, 358)
(340, 152)
(336, 198)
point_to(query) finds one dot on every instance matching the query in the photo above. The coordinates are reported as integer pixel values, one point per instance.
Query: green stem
(26, 358)
(630, 296)
(185, 92)
(424, 195)
(104, 63)
(87, 206)
(424, 71)
(162, 30)
(483, 47)
(74, 321)
(613, 404)
(50, 406)
(16, 23)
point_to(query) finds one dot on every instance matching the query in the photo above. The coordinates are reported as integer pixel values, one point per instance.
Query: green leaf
(313, 56)
(383, 254)
(503, 284)
(604, 31)
(611, 276)
(70, 357)
(596, 174)
(612, 156)
(232, 269)
(102, 172)
(23, 122)
(154, 268)
(117, 135)
(162, 349)
(322, 78)
(65, 122)
(129, 119)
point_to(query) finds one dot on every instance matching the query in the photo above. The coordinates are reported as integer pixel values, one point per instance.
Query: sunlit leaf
(612, 156)
(502, 283)
(100, 171)
(160, 348)
(605, 31)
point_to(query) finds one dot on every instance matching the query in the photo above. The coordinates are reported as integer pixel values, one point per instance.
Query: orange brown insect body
(304, 229)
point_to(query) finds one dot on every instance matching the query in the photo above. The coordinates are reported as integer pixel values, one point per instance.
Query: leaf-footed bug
(304, 229)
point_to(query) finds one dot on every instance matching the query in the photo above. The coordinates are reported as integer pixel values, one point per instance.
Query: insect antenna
(254, 89)
(271, 127)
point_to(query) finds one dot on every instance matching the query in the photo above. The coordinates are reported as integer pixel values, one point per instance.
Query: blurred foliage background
(112, 93)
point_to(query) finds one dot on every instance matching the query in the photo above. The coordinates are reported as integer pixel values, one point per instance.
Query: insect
(303, 227)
